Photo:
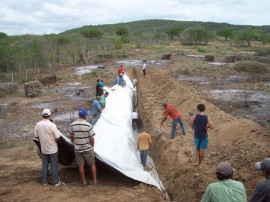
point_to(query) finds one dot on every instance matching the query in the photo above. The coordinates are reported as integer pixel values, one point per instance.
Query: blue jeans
(53, 160)
(174, 124)
(143, 155)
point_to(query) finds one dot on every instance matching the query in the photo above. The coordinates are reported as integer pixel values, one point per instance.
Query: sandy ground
(239, 141)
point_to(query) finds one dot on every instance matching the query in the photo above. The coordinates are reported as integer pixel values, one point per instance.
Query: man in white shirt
(48, 135)
(144, 67)
(135, 119)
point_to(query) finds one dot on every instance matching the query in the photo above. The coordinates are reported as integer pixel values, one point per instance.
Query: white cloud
(47, 16)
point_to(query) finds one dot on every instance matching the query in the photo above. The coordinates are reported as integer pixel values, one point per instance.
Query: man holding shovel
(171, 111)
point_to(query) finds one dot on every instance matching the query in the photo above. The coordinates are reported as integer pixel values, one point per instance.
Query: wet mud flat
(65, 102)
(233, 95)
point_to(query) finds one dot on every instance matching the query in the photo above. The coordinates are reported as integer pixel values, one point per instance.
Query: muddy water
(246, 103)
(85, 69)
(135, 62)
(73, 93)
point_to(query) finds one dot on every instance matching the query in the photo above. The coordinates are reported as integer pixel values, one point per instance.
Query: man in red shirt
(121, 70)
(171, 111)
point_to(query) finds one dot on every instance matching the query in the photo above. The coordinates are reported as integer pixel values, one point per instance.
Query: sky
(19, 17)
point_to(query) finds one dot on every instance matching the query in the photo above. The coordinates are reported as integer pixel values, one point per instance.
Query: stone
(33, 89)
(209, 58)
(166, 56)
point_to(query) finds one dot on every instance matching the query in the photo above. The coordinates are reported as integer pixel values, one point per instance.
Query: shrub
(92, 33)
(63, 40)
(174, 32)
(251, 67)
(201, 50)
(263, 52)
(3, 35)
(194, 36)
(121, 31)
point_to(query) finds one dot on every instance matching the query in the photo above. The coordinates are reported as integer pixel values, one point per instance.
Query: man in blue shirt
(97, 109)
(262, 193)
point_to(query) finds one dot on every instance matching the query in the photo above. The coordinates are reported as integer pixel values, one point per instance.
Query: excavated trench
(174, 158)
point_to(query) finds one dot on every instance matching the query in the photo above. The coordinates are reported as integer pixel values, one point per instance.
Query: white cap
(46, 112)
(263, 165)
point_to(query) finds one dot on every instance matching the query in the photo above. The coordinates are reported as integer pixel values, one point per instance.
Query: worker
(144, 143)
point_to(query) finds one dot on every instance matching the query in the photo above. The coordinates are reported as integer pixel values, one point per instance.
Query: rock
(33, 88)
(209, 58)
(232, 59)
(101, 66)
(8, 88)
(48, 80)
(166, 56)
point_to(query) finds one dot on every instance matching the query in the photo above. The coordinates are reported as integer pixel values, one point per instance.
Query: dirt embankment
(239, 141)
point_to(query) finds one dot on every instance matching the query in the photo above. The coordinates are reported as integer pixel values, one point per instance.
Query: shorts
(201, 143)
(87, 156)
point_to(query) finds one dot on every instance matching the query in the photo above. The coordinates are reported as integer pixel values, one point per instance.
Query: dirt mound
(238, 141)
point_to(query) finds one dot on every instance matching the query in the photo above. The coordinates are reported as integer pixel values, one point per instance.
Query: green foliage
(226, 32)
(94, 73)
(117, 43)
(122, 31)
(7, 53)
(63, 40)
(195, 36)
(174, 32)
(92, 33)
(201, 50)
(247, 36)
(3, 35)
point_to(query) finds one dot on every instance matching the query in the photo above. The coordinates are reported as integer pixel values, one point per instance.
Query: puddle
(4, 105)
(73, 91)
(193, 78)
(86, 69)
(245, 103)
(236, 78)
(74, 84)
(42, 105)
(195, 56)
(140, 62)
(217, 63)
(69, 116)
(64, 120)
(240, 95)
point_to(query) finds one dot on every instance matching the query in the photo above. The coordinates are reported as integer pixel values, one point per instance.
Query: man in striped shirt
(82, 135)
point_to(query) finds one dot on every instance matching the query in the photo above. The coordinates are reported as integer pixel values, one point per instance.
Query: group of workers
(82, 135)
(226, 189)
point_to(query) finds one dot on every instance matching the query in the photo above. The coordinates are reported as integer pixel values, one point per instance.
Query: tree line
(18, 53)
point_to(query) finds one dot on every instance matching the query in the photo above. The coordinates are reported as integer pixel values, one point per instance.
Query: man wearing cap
(171, 111)
(262, 192)
(226, 189)
(82, 135)
(48, 134)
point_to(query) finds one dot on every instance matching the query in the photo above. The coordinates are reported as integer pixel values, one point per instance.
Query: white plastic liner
(115, 141)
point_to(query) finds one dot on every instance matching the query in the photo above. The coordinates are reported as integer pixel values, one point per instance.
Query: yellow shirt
(144, 141)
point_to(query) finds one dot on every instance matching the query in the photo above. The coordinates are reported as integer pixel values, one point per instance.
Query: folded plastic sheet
(115, 140)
